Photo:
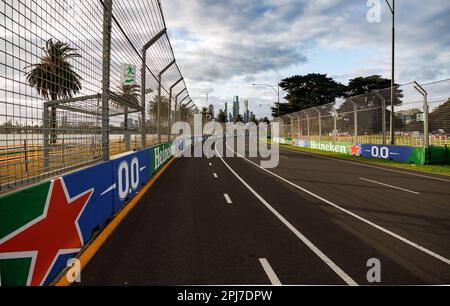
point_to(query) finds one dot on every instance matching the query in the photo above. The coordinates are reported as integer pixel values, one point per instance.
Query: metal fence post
(298, 126)
(143, 94)
(355, 119)
(143, 80)
(320, 122)
(158, 116)
(170, 106)
(426, 111)
(46, 135)
(308, 126)
(383, 114)
(107, 25)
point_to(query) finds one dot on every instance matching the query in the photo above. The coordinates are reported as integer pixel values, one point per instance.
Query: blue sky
(223, 47)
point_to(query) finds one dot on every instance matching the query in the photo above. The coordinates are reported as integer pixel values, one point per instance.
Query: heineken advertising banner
(160, 155)
(336, 147)
(131, 172)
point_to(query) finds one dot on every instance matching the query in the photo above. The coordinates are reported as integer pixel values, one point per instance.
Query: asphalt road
(312, 220)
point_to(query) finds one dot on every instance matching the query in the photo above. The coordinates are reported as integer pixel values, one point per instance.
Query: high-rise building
(235, 107)
(211, 112)
(226, 110)
(246, 112)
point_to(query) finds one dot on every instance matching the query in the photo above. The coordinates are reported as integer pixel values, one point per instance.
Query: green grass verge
(435, 169)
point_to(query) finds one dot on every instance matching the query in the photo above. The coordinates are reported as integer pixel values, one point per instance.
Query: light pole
(276, 88)
(392, 9)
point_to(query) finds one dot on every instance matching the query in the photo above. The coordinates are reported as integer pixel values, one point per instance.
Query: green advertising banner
(336, 147)
(159, 156)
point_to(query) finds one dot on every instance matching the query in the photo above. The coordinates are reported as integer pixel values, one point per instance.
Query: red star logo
(54, 233)
(355, 150)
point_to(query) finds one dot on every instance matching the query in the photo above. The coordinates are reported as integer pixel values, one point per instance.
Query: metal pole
(320, 122)
(143, 94)
(426, 111)
(169, 132)
(46, 135)
(383, 114)
(308, 126)
(107, 24)
(158, 116)
(298, 126)
(143, 80)
(278, 99)
(355, 119)
(392, 8)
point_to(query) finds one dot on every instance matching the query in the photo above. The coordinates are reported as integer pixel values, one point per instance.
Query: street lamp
(392, 9)
(276, 88)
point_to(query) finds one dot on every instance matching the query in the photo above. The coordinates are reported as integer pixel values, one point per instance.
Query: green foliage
(221, 117)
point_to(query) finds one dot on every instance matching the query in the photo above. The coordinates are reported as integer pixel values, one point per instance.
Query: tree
(265, 119)
(221, 117)
(204, 113)
(54, 77)
(131, 94)
(440, 118)
(253, 119)
(239, 119)
(153, 108)
(308, 91)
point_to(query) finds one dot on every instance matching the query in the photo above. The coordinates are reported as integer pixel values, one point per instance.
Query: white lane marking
(274, 280)
(227, 198)
(210, 164)
(390, 186)
(284, 157)
(386, 231)
(295, 231)
(215, 175)
(366, 165)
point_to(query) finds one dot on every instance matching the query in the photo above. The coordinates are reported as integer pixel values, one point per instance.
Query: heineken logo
(161, 156)
(329, 146)
(58, 224)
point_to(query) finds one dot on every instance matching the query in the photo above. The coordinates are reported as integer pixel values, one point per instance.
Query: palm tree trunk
(53, 124)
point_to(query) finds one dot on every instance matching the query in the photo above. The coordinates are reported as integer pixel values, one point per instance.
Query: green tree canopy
(305, 91)
(221, 117)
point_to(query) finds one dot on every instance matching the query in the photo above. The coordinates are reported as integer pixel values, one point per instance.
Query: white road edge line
(386, 231)
(227, 198)
(346, 278)
(366, 165)
(390, 186)
(215, 175)
(274, 280)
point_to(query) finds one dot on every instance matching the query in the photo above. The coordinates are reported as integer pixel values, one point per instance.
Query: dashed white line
(227, 198)
(382, 229)
(215, 175)
(210, 164)
(390, 186)
(274, 280)
(346, 278)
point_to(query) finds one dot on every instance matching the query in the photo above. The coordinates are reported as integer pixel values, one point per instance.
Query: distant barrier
(403, 154)
(43, 226)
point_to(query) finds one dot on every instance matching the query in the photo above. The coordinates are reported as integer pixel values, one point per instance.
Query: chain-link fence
(81, 81)
(421, 117)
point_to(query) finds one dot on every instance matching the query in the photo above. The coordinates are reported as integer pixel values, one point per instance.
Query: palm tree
(183, 112)
(54, 77)
(164, 104)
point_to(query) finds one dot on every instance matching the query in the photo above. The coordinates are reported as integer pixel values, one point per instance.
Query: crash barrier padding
(43, 226)
(437, 156)
(401, 154)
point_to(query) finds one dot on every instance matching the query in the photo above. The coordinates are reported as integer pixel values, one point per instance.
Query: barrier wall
(395, 153)
(43, 226)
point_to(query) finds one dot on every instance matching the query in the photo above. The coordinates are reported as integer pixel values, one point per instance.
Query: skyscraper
(226, 110)
(236, 107)
(246, 112)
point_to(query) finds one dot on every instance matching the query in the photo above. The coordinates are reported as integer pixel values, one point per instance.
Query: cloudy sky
(223, 46)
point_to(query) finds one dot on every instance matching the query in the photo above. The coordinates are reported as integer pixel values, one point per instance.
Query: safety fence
(81, 81)
(418, 117)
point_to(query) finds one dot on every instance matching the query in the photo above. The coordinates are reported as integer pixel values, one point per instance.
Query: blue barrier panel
(98, 209)
(130, 173)
(395, 153)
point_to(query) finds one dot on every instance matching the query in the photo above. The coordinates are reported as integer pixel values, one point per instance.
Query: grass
(434, 169)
